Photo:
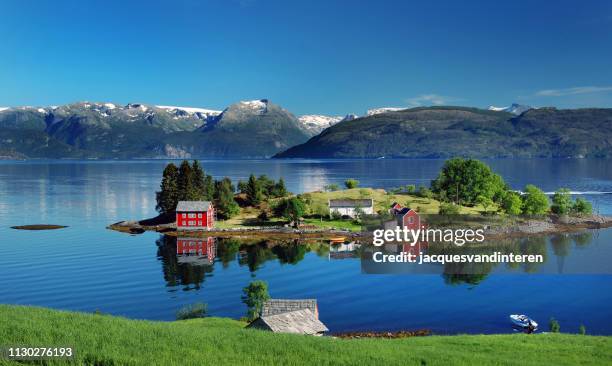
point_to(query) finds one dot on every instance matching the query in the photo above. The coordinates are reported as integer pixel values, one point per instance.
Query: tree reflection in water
(188, 264)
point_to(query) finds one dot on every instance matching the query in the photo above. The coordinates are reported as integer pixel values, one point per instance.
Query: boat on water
(523, 321)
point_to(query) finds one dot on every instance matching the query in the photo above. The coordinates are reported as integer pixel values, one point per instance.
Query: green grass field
(106, 340)
(318, 201)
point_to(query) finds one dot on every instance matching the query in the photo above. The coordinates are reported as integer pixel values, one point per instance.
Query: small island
(38, 227)
(466, 192)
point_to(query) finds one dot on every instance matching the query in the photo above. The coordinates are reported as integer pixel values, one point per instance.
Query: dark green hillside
(458, 131)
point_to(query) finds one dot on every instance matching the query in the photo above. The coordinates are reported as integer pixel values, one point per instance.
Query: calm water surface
(86, 267)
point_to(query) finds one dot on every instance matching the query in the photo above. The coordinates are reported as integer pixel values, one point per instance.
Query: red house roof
(193, 206)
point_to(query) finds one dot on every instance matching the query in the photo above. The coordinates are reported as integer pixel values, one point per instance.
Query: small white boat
(523, 321)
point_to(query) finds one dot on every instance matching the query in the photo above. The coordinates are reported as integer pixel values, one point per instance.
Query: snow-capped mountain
(313, 124)
(371, 112)
(256, 128)
(259, 105)
(514, 108)
(183, 112)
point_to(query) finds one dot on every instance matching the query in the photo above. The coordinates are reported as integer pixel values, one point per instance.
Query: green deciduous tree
(582, 207)
(464, 180)
(535, 201)
(512, 203)
(224, 199)
(167, 197)
(291, 209)
(485, 202)
(554, 326)
(332, 187)
(254, 296)
(351, 183)
(561, 202)
(425, 192)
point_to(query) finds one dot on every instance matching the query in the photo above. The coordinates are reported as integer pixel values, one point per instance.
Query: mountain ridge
(441, 132)
(106, 130)
(261, 129)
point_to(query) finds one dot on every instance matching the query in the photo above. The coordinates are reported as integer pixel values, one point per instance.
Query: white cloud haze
(429, 99)
(573, 91)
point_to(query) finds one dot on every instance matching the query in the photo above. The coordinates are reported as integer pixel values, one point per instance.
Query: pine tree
(279, 188)
(224, 198)
(167, 197)
(186, 191)
(253, 191)
(199, 181)
(209, 188)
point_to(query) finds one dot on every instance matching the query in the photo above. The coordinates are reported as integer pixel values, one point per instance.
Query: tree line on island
(470, 182)
(189, 182)
(460, 182)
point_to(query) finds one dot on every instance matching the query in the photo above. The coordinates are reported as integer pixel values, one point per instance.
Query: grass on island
(108, 340)
(248, 216)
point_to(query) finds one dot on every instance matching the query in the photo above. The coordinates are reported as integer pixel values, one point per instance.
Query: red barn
(195, 215)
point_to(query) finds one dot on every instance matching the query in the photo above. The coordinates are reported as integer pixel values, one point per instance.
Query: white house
(350, 207)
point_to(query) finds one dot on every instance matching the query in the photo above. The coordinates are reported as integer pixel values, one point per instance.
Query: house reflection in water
(341, 250)
(196, 251)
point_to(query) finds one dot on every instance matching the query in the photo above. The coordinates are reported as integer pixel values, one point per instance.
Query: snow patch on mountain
(319, 120)
(258, 105)
(514, 108)
(189, 110)
(4, 108)
(371, 112)
(315, 123)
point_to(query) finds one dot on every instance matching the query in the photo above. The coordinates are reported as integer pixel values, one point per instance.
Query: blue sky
(328, 57)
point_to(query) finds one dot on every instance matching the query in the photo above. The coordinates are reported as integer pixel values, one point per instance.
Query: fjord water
(87, 267)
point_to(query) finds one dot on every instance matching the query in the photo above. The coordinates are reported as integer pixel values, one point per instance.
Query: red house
(408, 218)
(195, 215)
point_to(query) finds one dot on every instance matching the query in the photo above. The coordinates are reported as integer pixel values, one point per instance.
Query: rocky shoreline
(550, 225)
(271, 232)
(526, 227)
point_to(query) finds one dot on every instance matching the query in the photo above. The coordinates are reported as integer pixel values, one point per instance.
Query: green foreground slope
(108, 340)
